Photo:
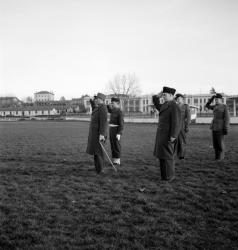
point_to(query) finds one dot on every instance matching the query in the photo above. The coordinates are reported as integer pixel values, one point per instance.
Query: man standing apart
(185, 121)
(115, 129)
(98, 132)
(220, 124)
(167, 132)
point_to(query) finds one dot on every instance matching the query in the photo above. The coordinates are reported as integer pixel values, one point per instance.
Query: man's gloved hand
(225, 132)
(118, 136)
(102, 138)
(154, 98)
(172, 139)
(186, 130)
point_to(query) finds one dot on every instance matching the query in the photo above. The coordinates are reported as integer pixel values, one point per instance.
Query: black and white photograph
(118, 124)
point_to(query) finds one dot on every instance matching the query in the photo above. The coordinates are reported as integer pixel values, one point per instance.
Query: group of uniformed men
(173, 126)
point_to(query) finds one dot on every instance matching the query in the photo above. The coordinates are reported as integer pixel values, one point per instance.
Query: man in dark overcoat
(168, 129)
(185, 121)
(116, 125)
(220, 125)
(98, 131)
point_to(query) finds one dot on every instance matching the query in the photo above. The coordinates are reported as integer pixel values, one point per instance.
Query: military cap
(115, 99)
(169, 90)
(101, 96)
(218, 96)
(179, 95)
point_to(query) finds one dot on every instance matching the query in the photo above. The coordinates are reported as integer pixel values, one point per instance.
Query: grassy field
(51, 197)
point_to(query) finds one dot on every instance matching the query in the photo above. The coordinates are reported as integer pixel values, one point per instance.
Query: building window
(195, 101)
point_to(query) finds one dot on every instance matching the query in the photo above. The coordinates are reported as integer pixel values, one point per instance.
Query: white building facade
(43, 96)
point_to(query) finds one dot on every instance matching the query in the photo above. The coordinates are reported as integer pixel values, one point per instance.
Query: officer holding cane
(98, 131)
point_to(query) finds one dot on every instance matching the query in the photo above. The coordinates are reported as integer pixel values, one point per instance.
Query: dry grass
(51, 197)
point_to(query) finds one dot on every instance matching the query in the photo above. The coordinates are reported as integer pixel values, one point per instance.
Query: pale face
(218, 100)
(180, 100)
(115, 104)
(167, 97)
(98, 101)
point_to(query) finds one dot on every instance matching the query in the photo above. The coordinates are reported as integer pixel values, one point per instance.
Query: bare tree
(28, 99)
(125, 84)
(62, 99)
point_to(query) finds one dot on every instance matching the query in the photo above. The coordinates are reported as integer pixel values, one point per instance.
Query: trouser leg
(99, 163)
(115, 143)
(167, 169)
(181, 145)
(221, 146)
(215, 144)
(218, 145)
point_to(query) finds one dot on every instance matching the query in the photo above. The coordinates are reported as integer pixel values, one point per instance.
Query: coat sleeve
(176, 120)
(187, 118)
(93, 105)
(208, 104)
(120, 122)
(156, 102)
(226, 119)
(103, 120)
(109, 109)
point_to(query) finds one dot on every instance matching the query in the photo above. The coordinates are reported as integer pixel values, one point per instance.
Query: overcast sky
(74, 47)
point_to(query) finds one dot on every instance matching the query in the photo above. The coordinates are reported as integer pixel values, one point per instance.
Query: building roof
(33, 108)
(9, 98)
(233, 97)
(44, 92)
(203, 95)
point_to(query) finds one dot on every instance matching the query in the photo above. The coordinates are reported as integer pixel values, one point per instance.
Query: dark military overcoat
(98, 125)
(185, 121)
(185, 117)
(221, 118)
(169, 126)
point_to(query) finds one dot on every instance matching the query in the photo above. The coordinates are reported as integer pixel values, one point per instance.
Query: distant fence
(132, 119)
(198, 120)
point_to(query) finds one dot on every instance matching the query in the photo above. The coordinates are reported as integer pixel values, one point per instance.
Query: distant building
(43, 96)
(31, 111)
(232, 103)
(82, 104)
(133, 104)
(200, 101)
(9, 102)
(44, 105)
